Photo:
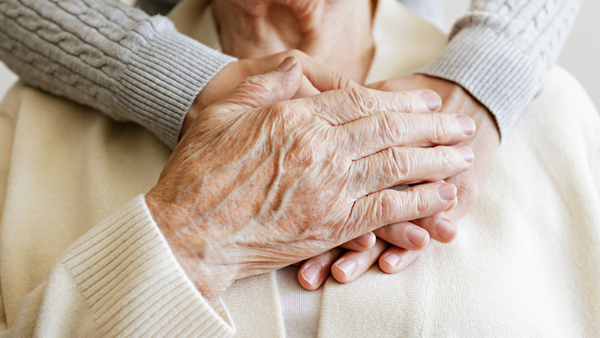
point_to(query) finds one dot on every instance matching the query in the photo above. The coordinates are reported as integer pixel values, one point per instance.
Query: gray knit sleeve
(109, 56)
(502, 50)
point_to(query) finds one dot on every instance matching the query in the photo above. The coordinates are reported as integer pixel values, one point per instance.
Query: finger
(440, 227)
(314, 271)
(397, 165)
(390, 206)
(361, 243)
(382, 130)
(405, 235)
(321, 78)
(343, 106)
(396, 259)
(256, 91)
(353, 264)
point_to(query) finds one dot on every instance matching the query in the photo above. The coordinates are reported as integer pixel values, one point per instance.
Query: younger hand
(316, 79)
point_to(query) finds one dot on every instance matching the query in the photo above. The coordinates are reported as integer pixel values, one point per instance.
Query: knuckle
(329, 257)
(385, 206)
(390, 127)
(343, 81)
(256, 84)
(406, 102)
(400, 163)
(363, 98)
(421, 202)
(442, 130)
(446, 157)
(282, 115)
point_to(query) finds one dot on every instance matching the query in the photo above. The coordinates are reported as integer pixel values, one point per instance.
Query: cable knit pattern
(137, 68)
(501, 51)
(106, 55)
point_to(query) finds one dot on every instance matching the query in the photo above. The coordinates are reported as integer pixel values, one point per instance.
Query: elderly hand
(336, 32)
(394, 249)
(254, 185)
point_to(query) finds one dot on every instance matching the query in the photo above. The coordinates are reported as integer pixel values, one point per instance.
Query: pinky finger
(396, 259)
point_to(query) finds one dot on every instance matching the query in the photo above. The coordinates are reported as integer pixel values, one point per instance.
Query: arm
(111, 57)
(501, 52)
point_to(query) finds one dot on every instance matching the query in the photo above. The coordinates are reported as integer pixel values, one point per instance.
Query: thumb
(256, 91)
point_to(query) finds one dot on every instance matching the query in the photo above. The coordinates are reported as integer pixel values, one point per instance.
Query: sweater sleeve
(120, 279)
(501, 51)
(106, 55)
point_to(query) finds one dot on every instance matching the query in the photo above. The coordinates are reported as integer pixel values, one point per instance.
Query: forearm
(114, 58)
(502, 53)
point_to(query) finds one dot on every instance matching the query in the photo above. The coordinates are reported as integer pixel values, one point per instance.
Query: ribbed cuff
(493, 69)
(163, 76)
(133, 284)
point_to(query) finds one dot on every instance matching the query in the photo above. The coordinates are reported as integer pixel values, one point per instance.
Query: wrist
(197, 261)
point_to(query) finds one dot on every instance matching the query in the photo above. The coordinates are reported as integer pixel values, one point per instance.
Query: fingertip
(388, 262)
(397, 259)
(418, 237)
(310, 276)
(343, 270)
(431, 99)
(445, 229)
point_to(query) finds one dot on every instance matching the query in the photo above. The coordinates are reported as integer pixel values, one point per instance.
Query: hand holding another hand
(316, 79)
(258, 183)
(394, 250)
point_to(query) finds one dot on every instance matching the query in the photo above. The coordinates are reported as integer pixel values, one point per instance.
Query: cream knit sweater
(78, 260)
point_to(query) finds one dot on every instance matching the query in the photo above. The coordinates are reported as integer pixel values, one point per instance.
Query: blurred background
(580, 55)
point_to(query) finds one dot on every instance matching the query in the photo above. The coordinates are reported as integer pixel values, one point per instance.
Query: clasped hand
(259, 182)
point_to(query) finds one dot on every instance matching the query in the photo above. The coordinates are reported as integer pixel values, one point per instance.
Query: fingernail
(445, 229)
(447, 191)
(466, 153)
(393, 259)
(347, 266)
(311, 274)
(466, 124)
(416, 236)
(286, 64)
(432, 100)
(364, 240)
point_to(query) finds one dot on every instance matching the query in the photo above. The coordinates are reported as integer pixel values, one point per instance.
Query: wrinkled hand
(398, 244)
(316, 79)
(254, 186)
(336, 32)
